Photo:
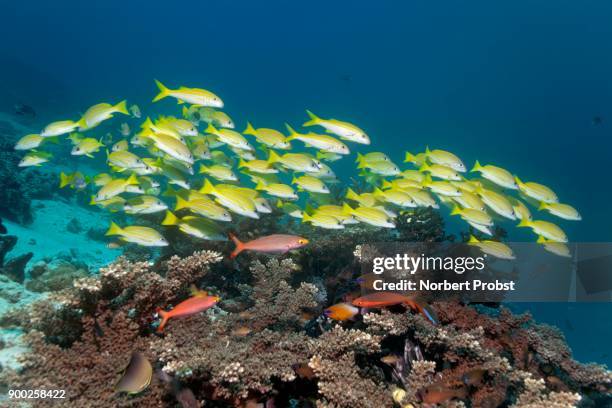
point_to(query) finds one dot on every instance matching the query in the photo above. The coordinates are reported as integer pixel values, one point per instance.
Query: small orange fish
(271, 244)
(384, 299)
(199, 302)
(341, 311)
(437, 393)
(303, 370)
(390, 359)
(241, 331)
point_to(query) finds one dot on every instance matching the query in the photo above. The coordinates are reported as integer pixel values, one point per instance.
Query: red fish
(199, 302)
(385, 299)
(271, 244)
(341, 311)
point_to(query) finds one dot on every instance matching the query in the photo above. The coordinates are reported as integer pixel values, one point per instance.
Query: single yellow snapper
(421, 197)
(203, 206)
(102, 179)
(493, 248)
(325, 143)
(520, 209)
(269, 137)
(172, 147)
(383, 168)
(335, 211)
(183, 127)
(135, 111)
(120, 145)
(482, 228)
(497, 175)
(324, 172)
(323, 221)
(370, 215)
(401, 183)
(32, 141)
(194, 96)
(372, 157)
(397, 197)
(497, 202)
(243, 154)
(440, 171)
(144, 204)
(278, 190)
(537, 191)
(35, 158)
(113, 204)
(59, 128)
(234, 200)
(124, 129)
(311, 184)
(87, 146)
(414, 175)
(229, 137)
(443, 188)
(557, 248)
(123, 159)
(364, 199)
(144, 236)
(417, 159)
(195, 226)
(470, 200)
(295, 161)
(328, 156)
(218, 172)
(217, 118)
(257, 166)
(444, 158)
(115, 187)
(565, 211)
(546, 229)
(473, 216)
(345, 130)
(99, 113)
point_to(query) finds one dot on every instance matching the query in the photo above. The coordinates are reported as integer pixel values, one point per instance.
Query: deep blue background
(512, 83)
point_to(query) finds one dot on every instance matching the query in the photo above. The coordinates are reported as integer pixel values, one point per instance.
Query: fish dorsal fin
(195, 292)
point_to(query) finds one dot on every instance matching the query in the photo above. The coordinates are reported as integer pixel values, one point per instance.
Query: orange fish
(437, 393)
(341, 311)
(199, 302)
(385, 299)
(271, 244)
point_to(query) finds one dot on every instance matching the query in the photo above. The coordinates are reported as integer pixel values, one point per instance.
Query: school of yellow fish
(163, 152)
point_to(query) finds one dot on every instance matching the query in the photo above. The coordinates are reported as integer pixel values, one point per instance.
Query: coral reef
(267, 342)
(13, 268)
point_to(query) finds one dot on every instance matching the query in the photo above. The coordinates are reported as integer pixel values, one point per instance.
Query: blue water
(511, 83)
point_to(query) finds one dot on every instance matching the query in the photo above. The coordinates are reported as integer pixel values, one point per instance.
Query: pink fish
(271, 244)
(199, 302)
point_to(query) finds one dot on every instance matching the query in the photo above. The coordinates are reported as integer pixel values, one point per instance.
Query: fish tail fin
(378, 192)
(185, 112)
(424, 167)
(473, 240)
(306, 217)
(163, 91)
(409, 158)
(170, 219)
(346, 209)
(541, 240)
(477, 167)
(524, 223)
(292, 132)
(518, 180)
(114, 229)
(273, 157)
(426, 181)
(121, 107)
(203, 169)
(250, 130)
(362, 164)
(542, 206)
(241, 163)
(314, 119)
(260, 185)
(456, 210)
(207, 188)
(92, 201)
(239, 246)
(164, 319)
(181, 203)
(64, 179)
(82, 123)
(386, 184)
(132, 180)
(211, 129)
(351, 195)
